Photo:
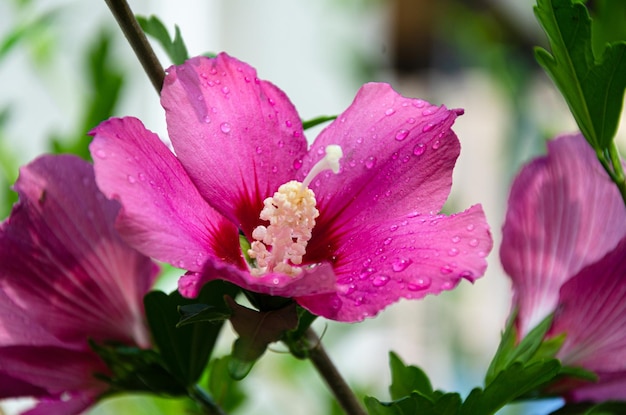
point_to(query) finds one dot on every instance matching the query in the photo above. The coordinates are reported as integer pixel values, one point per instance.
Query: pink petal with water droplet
(410, 262)
(311, 281)
(563, 214)
(164, 216)
(380, 175)
(220, 156)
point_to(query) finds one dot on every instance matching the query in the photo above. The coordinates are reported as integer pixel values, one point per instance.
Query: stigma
(291, 213)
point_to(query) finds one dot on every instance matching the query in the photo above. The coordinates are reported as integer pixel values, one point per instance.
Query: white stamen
(291, 213)
(329, 162)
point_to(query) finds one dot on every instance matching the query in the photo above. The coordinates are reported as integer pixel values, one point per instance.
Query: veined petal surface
(563, 214)
(239, 138)
(163, 214)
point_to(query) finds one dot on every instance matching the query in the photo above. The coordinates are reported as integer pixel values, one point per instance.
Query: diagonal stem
(138, 41)
(331, 375)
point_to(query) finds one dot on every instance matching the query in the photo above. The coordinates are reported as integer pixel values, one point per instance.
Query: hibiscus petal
(237, 137)
(311, 281)
(592, 313)
(379, 263)
(563, 213)
(398, 156)
(611, 386)
(163, 214)
(62, 262)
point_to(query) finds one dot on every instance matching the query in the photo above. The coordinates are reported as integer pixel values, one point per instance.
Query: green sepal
(175, 49)
(136, 370)
(294, 338)
(316, 121)
(256, 329)
(185, 350)
(593, 86)
(438, 404)
(195, 313)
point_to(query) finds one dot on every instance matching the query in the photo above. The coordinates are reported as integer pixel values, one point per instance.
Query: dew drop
(446, 269)
(297, 134)
(401, 264)
(402, 134)
(419, 103)
(225, 90)
(181, 264)
(225, 127)
(387, 241)
(365, 273)
(428, 111)
(142, 177)
(259, 150)
(271, 101)
(370, 162)
(470, 227)
(131, 179)
(411, 120)
(380, 280)
(419, 149)
(274, 169)
(349, 289)
(297, 163)
(280, 143)
(456, 239)
(419, 284)
(473, 242)
(428, 127)
(436, 144)
(390, 111)
(288, 123)
(393, 228)
(413, 214)
(101, 153)
(207, 119)
(453, 252)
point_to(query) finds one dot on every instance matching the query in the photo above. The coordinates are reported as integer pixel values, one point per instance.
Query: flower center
(291, 213)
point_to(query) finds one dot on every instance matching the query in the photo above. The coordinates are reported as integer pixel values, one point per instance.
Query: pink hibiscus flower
(65, 277)
(344, 245)
(564, 246)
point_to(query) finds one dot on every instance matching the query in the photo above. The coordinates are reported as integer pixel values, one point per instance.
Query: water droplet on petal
(402, 134)
(390, 111)
(453, 252)
(411, 120)
(393, 228)
(131, 179)
(473, 242)
(419, 284)
(370, 162)
(288, 123)
(366, 272)
(259, 150)
(436, 144)
(470, 227)
(225, 90)
(401, 264)
(297, 163)
(456, 239)
(142, 177)
(225, 127)
(419, 103)
(101, 153)
(348, 289)
(428, 127)
(380, 280)
(446, 269)
(207, 119)
(428, 111)
(419, 149)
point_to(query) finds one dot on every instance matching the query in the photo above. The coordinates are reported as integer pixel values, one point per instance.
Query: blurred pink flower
(564, 246)
(65, 277)
(364, 238)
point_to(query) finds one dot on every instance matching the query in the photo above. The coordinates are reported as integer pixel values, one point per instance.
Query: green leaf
(185, 350)
(407, 379)
(195, 313)
(530, 346)
(445, 404)
(175, 49)
(226, 392)
(511, 383)
(593, 86)
(315, 121)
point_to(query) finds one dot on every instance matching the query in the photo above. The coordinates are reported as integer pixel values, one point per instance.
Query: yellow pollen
(291, 214)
